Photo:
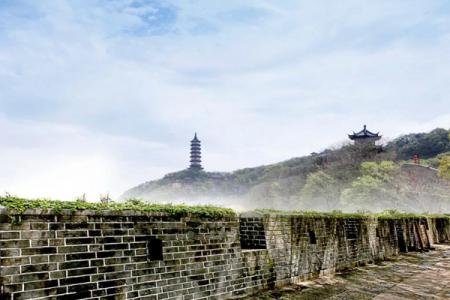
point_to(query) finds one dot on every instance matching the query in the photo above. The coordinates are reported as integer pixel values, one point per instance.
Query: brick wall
(130, 255)
(85, 255)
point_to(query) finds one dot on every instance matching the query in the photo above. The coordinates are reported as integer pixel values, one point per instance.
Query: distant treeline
(426, 145)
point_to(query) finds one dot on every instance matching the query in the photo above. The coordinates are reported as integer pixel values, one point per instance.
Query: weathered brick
(9, 252)
(106, 254)
(74, 280)
(39, 243)
(115, 246)
(71, 233)
(58, 274)
(79, 241)
(9, 261)
(14, 244)
(111, 283)
(57, 258)
(108, 239)
(39, 226)
(77, 288)
(38, 268)
(31, 277)
(83, 271)
(38, 250)
(71, 219)
(37, 234)
(111, 269)
(117, 260)
(56, 242)
(80, 256)
(74, 264)
(9, 270)
(40, 285)
(9, 235)
(97, 262)
(73, 249)
(73, 226)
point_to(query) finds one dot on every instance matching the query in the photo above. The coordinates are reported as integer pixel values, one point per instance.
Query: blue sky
(98, 96)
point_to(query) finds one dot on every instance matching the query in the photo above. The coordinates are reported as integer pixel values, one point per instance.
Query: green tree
(425, 145)
(444, 167)
(373, 190)
(320, 192)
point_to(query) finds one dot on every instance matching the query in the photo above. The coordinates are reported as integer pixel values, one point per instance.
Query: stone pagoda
(196, 154)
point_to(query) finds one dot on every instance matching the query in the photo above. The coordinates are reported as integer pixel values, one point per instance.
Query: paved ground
(410, 276)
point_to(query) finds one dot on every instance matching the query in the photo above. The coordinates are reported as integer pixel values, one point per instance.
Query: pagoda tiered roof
(196, 156)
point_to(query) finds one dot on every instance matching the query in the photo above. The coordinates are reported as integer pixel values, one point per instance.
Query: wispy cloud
(134, 74)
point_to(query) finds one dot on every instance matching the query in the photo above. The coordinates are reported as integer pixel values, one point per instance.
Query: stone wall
(130, 255)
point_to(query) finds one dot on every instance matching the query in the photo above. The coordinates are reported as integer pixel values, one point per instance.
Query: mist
(347, 177)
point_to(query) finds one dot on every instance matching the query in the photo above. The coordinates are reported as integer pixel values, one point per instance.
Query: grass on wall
(21, 204)
(387, 214)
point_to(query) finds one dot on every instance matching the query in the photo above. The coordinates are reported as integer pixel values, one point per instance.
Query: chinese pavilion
(364, 137)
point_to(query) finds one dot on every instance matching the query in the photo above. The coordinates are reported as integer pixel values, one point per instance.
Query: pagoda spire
(196, 154)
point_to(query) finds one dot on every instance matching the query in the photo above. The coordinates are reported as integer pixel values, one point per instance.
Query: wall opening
(3, 294)
(425, 222)
(155, 250)
(351, 231)
(401, 240)
(312, 237)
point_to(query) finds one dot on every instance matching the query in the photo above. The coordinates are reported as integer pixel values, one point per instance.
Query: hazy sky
(98, 96)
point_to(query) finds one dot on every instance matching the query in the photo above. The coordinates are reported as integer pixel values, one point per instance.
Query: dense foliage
(444, 167)
(20, 205)
(374, 188)
(425, 145)
(320, 187)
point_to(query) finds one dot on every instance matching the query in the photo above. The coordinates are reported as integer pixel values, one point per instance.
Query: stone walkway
(409, 276)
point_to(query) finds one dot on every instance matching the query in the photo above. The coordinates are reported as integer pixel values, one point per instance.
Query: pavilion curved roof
(365, 133)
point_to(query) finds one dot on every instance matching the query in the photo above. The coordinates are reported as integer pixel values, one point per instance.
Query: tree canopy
(444, 167)
(425, 145)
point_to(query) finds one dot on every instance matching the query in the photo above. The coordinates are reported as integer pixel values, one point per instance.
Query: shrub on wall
(21, 204)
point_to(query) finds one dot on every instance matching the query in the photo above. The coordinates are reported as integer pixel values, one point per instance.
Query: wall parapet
(98, 254)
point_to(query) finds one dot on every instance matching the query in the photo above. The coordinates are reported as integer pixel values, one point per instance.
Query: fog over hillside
(349, 178)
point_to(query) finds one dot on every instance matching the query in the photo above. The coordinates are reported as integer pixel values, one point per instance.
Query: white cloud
(260, 81)
(60, 161)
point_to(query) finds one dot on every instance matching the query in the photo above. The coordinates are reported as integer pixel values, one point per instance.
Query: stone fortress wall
(132, 255)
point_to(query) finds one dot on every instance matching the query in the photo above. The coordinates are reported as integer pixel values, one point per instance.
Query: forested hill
(333, 179)
(426, 145)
